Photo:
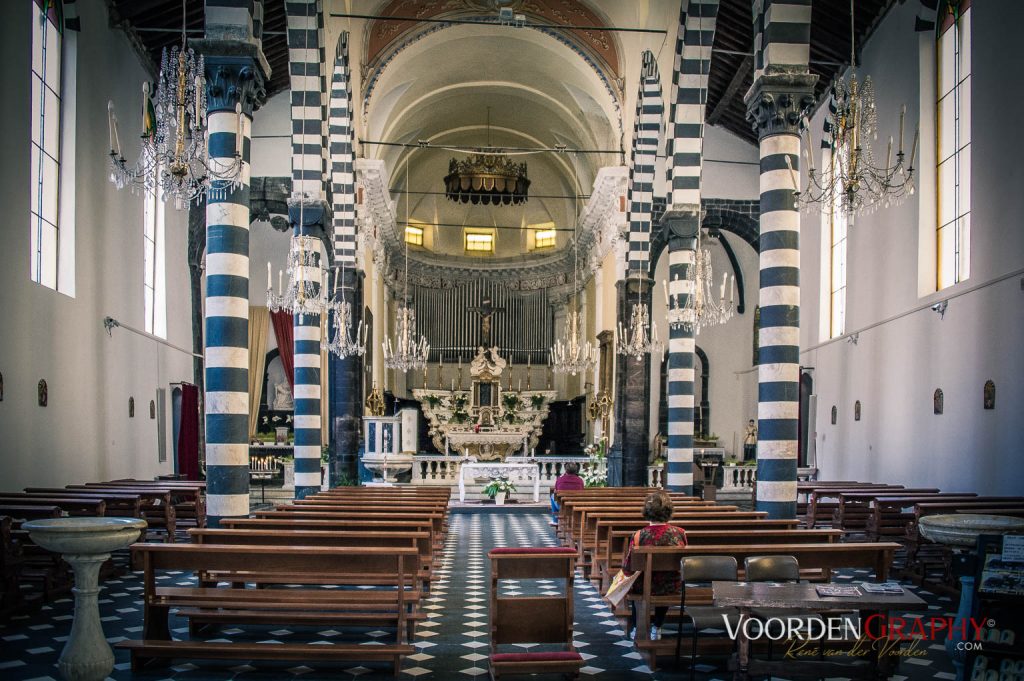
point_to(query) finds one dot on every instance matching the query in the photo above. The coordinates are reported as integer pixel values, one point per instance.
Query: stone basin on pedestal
(960, 531)
(85, 543)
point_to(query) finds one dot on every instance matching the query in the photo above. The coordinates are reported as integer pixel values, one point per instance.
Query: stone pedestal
(85, 543)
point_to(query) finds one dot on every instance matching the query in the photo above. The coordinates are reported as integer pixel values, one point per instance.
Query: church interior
(484, 338)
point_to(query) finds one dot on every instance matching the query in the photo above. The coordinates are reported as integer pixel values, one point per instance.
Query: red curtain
(188, 433)
(282, 323)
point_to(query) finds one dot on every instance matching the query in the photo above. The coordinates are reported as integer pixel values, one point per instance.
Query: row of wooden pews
(597, 523)
(344, 558)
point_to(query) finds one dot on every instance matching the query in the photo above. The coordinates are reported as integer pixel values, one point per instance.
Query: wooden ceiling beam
(739, 76)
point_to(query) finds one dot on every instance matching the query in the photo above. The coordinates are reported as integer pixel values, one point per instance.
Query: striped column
(342, 161)
(646, 133)
(305, 75)
(307, 384)
(680, 374)
(694, 38)
(227, 310)
(781, 93)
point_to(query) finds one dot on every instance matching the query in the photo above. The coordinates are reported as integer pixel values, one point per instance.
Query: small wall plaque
(131, 407)
(989, 403)
(835, 414)
(152, 409)
(856, 410)
(44, 393)
(938, 401)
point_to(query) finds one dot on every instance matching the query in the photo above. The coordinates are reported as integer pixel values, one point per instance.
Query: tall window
(154, 262)
(45, 147)
(544, 235)
(479, 241)
(953, 113)
(839, 222)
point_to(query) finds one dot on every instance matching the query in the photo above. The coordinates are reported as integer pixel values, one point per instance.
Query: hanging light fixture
(306, 293)
(854, 181)
(638, 342)
(575, 355)
(174, 156)
(347, 339)
(487, 178)
(407, 352)
(702, 308)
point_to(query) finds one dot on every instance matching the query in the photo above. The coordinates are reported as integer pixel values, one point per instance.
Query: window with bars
(477, 241)
(544, 235)
(154, 263)
(414, 235)
(44, 216)
(953, 144)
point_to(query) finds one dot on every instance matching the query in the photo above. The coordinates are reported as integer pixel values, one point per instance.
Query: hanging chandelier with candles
(854, 180)
(174, 156)
(702, 308)
(576, 355)
(347, 338)
(306, 293)
(639, 341)
(408, 352)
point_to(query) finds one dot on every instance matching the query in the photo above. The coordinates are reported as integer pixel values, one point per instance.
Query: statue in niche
(283, 400)
(152, 409)
(856, 410)
(131, 407)
(937, 401)
(44, 393)
(750, 441)
(989, 400)
(835, 415)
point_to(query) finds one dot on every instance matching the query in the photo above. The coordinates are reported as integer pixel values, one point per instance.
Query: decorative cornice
(779, 99)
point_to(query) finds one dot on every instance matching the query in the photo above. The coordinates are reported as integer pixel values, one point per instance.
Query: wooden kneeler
(533, 619)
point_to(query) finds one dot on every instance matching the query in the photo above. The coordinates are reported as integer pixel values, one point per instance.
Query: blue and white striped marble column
(694, 37)
(640, 190)
(781, 94)
(306, 328)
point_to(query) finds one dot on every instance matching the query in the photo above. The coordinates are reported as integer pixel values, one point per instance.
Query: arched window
(953, 144)
(838, 223)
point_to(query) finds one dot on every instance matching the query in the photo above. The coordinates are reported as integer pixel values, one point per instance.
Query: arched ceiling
(537, 92)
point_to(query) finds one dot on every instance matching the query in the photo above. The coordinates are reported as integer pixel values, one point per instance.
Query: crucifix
(486, 310)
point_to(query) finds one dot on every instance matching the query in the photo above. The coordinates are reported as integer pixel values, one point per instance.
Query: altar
(485, 422)
(511, 471)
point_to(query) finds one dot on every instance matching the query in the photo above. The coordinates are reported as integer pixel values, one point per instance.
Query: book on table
(882, 588)
(840, 590)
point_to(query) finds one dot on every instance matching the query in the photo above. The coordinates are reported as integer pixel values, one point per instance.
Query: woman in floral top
(657, 511)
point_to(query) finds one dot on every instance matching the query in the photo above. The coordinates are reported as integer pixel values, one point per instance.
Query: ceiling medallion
(487, 179)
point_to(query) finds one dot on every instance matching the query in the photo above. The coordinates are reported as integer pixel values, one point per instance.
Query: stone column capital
(236, 72)
(779, 99)
(309, 212)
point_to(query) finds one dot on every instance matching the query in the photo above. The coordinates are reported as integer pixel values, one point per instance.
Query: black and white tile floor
(451, 644)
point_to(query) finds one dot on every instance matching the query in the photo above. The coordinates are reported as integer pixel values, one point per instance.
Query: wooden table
(803, 598)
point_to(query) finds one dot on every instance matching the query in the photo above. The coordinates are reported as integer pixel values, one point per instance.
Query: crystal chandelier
(348, 339)
(638, 342)
(854, 180)
(407, 352)
(174, 157)
(306, 293)
(702, 308)
(575, 355)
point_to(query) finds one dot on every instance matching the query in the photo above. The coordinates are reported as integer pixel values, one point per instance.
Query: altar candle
(110, 124)
(239, 137)
(453, 385)
(520, 385)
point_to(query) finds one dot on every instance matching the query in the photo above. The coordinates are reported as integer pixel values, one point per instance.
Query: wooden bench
(339, 607)
(72, 505)
(889, 515)
(437, 519)
(853, 508)
(158, 507)
(351, 524)
(190, 497)
(118, 504)
(819, 511)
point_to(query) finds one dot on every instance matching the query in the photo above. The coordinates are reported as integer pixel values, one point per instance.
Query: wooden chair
(700, 570)
(533, 619)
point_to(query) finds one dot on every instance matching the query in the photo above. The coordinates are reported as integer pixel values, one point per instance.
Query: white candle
(664, 287)
(145, 101)
(110, 124)
(903, 112)
(199, 99)
(269, 280)
(240, 136)
(280, 279)
(888, 149)
(520, 385)
(913, 148)
(117, 138)
(453, 385)
(732, 291)
(721, 292)
(792, 175)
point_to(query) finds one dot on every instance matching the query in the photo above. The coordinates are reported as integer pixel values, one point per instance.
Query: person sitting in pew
(657, 512)
(569, 480)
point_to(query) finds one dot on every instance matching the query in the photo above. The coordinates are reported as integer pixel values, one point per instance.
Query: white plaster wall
(896, 365)
(271, 153)
(85, 433)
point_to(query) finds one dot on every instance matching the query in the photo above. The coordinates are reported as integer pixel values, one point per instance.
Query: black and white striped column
(306, 343)
(694, 39)
(342, 157)
(646, 134)
(781, 93)
(307, 92)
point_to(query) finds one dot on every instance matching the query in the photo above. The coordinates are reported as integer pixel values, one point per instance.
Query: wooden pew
(823, 556)
(159, 502)
(72, 505)
(853, 508)
(23, 562)
(436, 519)
(189, 498)
(118, 504)
(350, 524)
(889, 515)
(355, 607)
(819, 511)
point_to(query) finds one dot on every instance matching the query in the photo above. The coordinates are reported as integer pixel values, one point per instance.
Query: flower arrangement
(499, 485)
(595, 473)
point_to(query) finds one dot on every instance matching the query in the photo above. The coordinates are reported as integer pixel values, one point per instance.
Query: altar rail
(441, 470)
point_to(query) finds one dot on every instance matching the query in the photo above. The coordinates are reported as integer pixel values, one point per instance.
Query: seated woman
(657, 511)
(566, 481)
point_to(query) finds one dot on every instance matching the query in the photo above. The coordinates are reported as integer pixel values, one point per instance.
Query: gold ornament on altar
(375, 402)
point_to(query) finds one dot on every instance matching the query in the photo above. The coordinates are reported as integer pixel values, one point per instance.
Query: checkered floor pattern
(451, 644)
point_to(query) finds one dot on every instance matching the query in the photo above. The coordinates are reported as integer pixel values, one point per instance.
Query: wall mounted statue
(44, 393)
(989, 399)
(937, 401)
(856, 410)
(835, 414)
(131, 407)
(152, 409)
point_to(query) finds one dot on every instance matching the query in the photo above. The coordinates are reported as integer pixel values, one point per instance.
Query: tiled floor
(452, 644)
